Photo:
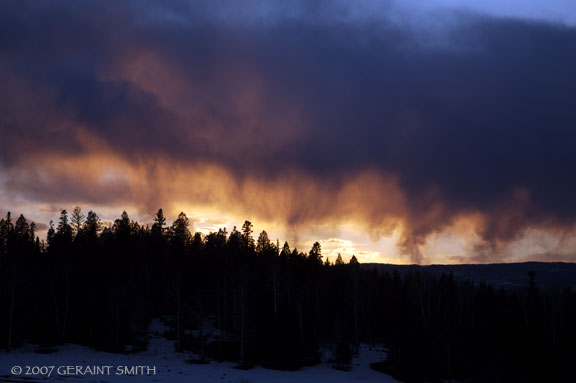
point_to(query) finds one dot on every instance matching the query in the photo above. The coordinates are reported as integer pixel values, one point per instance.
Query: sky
(411, 131)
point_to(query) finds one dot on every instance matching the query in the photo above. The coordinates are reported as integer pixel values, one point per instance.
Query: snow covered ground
(170, 367)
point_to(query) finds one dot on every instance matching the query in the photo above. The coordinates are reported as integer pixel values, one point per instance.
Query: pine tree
(179, 232)
(179, 239)
(295, 256)
(315, 254)
(92, 225)
(197, 243)
(122, 228)
(22, 230)
(51, 233)
(158, 226)
(247, 239)
(63, 235)
(285, 253)
(264, 246)
(77, 219)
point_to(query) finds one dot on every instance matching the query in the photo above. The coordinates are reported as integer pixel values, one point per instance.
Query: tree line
(229, 296)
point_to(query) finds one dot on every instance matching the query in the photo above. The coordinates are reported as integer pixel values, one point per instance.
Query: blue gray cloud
(470, 111)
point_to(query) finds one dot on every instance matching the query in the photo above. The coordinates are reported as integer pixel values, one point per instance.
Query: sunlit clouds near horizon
(400, 132)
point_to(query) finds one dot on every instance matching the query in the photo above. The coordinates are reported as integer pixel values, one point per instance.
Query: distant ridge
(549, 275)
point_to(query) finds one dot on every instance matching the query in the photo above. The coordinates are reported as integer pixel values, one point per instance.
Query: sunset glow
(389, 133)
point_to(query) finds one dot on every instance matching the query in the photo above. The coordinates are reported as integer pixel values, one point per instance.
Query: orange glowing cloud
(370, 134)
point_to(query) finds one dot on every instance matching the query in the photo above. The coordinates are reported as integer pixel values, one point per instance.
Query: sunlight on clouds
(293, 208)
(213, 199)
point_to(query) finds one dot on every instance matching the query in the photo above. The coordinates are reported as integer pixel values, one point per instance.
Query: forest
(242, 297)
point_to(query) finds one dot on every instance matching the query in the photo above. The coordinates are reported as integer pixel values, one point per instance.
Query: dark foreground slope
(279, 307)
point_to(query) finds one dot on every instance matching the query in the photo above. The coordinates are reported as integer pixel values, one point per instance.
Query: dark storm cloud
(475, 116)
